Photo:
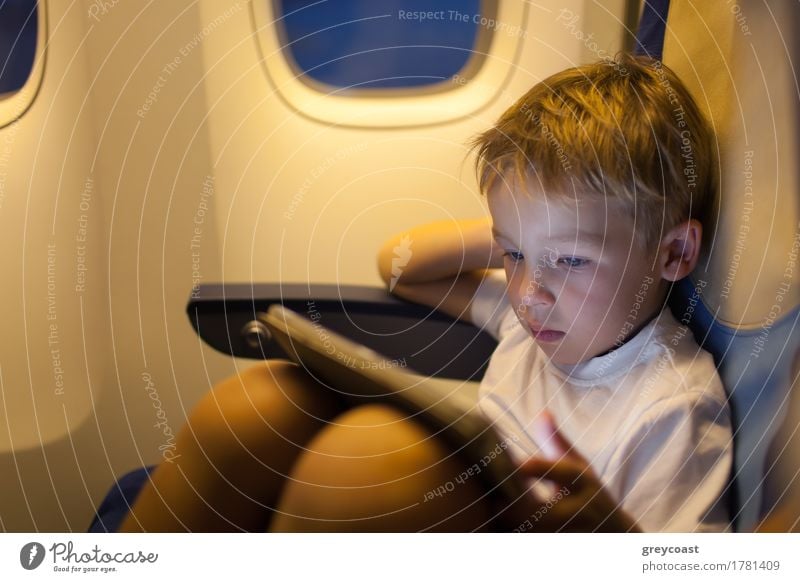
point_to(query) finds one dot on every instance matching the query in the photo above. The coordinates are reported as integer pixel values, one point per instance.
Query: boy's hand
(580, 503)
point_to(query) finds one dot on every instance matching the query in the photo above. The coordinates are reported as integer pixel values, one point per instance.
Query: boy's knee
(370, 470)
(271, 399)
(376, 434)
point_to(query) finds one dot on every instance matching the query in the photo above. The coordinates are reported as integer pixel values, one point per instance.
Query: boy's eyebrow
(580, 238)
(596, 239)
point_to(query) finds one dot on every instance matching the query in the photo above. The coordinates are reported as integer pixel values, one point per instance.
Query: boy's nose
(535, 294)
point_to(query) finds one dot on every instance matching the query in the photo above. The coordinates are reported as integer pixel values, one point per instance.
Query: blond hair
(626, 129)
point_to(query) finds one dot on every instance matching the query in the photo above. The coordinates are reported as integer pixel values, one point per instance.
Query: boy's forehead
(513, 184)
(556, 234)
(558, 219)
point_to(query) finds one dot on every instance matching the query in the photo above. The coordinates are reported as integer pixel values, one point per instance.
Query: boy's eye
(572, 262)
(514, 256)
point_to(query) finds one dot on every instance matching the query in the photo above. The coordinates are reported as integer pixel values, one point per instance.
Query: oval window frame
(14, 105)
(483, 79)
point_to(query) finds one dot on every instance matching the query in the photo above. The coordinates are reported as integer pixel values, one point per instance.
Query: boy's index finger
(562, 471)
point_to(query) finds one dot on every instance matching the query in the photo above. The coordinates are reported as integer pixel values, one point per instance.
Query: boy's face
(579, 280)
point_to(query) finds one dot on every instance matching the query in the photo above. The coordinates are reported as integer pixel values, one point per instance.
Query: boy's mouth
(545, 335)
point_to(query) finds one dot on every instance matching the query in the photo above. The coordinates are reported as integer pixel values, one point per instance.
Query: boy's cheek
(514, 296)
(516, 303)
(602, 293)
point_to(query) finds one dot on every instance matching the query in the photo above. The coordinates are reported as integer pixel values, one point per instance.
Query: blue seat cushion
(118, 500)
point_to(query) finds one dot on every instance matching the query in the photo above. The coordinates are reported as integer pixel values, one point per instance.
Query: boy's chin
(559, 355)
(563, 356)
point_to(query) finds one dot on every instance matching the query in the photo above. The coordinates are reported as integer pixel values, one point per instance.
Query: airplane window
(380, 44)
(18, 34)
(388, 63)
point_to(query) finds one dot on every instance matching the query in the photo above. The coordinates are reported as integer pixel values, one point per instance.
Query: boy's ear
(680, 250)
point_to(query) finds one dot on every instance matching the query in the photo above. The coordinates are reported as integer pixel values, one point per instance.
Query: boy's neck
(643, 322)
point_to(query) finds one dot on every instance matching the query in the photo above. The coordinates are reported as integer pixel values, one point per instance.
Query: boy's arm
(440, 264)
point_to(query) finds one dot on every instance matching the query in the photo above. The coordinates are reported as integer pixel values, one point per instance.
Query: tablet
(362, 376)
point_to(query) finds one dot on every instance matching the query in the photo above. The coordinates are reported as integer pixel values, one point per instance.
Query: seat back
(739, 59)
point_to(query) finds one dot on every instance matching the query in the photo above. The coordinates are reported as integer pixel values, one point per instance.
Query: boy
(594, 210)
(595, 181)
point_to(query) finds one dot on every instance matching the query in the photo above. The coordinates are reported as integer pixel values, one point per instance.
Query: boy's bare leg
(370, 470)
(234, 453)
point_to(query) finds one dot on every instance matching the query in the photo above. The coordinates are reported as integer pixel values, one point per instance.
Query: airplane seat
(741, 303)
